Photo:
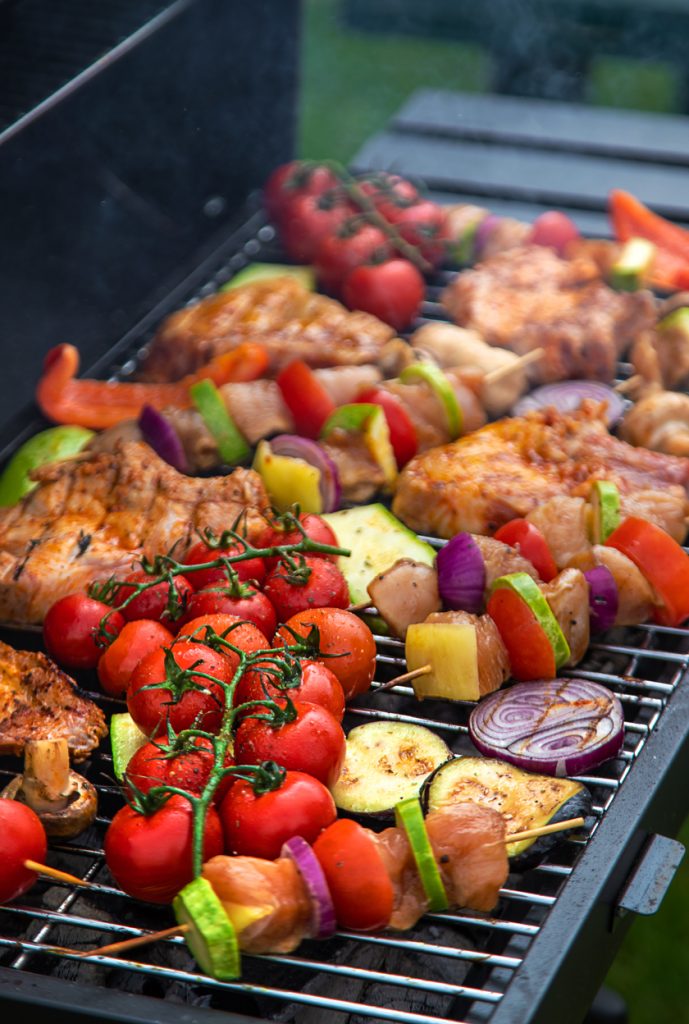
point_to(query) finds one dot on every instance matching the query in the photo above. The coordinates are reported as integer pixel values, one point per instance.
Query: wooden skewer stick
(509, 368)
(139, 940)
(414, 674)
(629, 385)
(544, 830)
(360, 607)
(60, 876)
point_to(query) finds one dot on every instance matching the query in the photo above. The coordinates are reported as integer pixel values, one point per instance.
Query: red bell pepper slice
(403, 437)
(358, 880)
(530, 651)
(528, 540)
(631, 219)
(305, 397)
(661, 560)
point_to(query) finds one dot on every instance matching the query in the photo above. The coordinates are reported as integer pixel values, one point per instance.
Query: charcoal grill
(543, 954)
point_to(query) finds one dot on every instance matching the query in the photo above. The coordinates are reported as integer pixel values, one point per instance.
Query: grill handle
(651, 877)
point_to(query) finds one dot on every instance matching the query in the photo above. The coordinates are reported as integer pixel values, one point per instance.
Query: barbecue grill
(544, 953)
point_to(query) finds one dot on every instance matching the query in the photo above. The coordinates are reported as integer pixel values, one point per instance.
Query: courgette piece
(529, 591)
(376, 540)
(125, 739)
(210, 937)
(409, 816)
(633, 266)
(368, 420)
(265, 271)
(232, 446)
(386, 762)
(605, 505)
(524, 799)
(443, 390)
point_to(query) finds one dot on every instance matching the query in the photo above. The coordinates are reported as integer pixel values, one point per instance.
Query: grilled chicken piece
(500, 559)
(291, 322)
(39, 702)
(92, 516)
(510, 467)
(530, 298)
(635, 595)
(491, 653)
(405, 593)
(659, 420)
(568, 597)
(563, 521)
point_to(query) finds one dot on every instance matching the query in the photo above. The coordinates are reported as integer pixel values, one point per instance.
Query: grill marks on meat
(529, 297)
(129, 502)
(510, 467)
(39, 702)
(291, 322)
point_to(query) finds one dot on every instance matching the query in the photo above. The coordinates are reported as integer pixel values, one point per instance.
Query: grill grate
(455, 966)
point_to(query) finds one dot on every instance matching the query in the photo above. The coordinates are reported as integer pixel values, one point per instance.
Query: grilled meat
(568, 597)
(659, 420)
(289, 321)
(510, 467)
(91, 517)
(39, 702)
(530, 298)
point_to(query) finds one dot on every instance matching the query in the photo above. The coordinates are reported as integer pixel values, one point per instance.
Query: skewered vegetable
(65, 802)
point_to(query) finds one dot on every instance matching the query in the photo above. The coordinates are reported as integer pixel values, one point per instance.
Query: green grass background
(352, 83)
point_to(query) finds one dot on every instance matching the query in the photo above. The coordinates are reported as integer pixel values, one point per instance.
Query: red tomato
(151, 857)
(305, 397)
(661, 560)
(188, 770)
(243, 635)
(528, 540)
(339, 253)
(318, 686)
(314, 527)
(313, 743)
(249, 569)
(402, 431)
(153, 603)
(180, 704)
(252, 607)
(296, 178)
(344, 638)
(325, 587)
(357, 878)
(425, 226)
(136, 640)
(392, 291)
(530, 651)
(70, 630)
(389, 193)
(308, 220)
(555, 229)
(22, 837)
(257, 826)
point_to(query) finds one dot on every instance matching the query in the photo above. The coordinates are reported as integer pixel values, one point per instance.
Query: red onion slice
(483, 233)
(163, 438)
(567, 396)
(323, 921)
(295, 447)
(604, 599)
(461, 574)
(556, 726)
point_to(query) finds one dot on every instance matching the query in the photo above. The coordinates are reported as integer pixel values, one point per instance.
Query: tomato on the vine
(199, 554)
(150, 857)
(309, 220)
(252, 605)
(22, 838)
(189, 770)
(186, 698)
(135, 641)
(357, 878)
(389, 193)
(339, 253)
(71, 630)
(345, 643)
(292, 591)
(313, 742)
(154, 602)
(244, 635)
(393, 291)
(297, 178)
(425, 226)
(317, 685)
(314, 527)
(257, 826)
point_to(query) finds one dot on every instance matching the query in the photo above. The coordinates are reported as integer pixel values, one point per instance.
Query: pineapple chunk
(288, 481)
(451, 650)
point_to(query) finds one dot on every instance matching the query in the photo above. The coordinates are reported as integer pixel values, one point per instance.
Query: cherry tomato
(389, 193)
(555, 229)
(253, 606)
(151, 857)
(425, 226)
(661, 560)
(392, 291)
(257, 826)
(528, 540)
(400, 427)
(189, 770)
(305, 397)
(318, 685)
(250, 569)
(313, 743)
(22, 837)
(71, 630)
(346, 641)
(530, 651)
(308, 220)
(136, 640)
(314, 527)
(289, 593)
(357, 878)
(153, 603)
(290, 180)
(179, 703)
(244, 635)
(339, 253)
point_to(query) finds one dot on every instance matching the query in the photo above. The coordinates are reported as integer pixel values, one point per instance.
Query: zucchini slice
(605, 503)
(524, 799)
(211, 937)
(386, 762)
(125, 738)
(409, 816)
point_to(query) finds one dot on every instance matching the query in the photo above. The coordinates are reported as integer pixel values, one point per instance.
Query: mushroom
(65, 802)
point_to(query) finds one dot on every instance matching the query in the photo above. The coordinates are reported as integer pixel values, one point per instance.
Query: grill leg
(607, 1008)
